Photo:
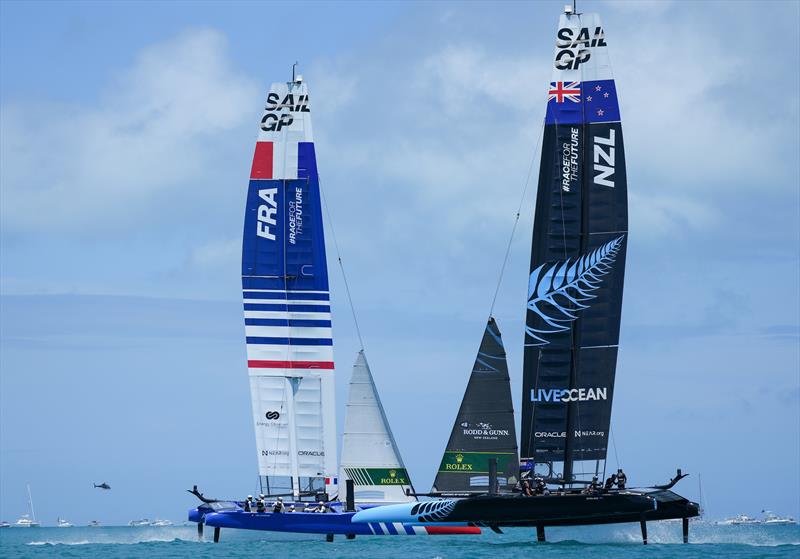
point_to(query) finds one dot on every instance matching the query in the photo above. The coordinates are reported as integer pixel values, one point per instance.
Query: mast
(30, 503)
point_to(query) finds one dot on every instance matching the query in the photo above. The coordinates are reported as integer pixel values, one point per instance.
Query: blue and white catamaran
(290, 355)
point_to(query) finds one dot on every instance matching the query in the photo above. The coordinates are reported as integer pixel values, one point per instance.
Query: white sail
(287, 303)
(370, 456)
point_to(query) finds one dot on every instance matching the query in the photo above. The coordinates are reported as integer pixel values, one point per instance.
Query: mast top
(296, 78)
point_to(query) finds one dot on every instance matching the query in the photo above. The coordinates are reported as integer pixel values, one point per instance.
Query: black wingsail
(484, 426)
(580, 236)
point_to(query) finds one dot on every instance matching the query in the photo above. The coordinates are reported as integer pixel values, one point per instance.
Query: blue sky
(126, 131)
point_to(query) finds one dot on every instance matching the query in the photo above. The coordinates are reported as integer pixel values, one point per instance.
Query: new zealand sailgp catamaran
(574, 304)
(290, 355)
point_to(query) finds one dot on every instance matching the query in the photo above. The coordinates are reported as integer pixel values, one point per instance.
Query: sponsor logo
(279, 115)
(274, 453)
(569, 395)
(563, 434)
(459, 466)
(574, 50)
(310, 453)
(272, 415)
(569, 160)
(604, 159)
(296, 215)
(394, 479)
(266, 213)
(482, 431)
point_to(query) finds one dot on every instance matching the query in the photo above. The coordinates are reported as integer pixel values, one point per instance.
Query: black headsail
(580, 237)
(484, 426)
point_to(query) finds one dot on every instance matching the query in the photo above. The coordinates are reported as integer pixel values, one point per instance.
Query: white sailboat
(27, 520)
(61, 523)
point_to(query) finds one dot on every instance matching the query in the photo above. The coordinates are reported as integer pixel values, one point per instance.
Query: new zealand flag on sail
(579, 102)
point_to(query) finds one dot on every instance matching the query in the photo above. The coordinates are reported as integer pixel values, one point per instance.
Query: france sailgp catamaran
(580, 238)
(290, 355)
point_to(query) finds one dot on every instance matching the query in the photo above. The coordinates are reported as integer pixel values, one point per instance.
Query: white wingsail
(370, 456)
(287, 303)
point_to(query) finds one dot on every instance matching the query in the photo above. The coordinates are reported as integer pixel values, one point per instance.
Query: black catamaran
(574, 305)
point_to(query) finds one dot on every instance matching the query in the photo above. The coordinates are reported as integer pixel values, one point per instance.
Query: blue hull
(335, 522)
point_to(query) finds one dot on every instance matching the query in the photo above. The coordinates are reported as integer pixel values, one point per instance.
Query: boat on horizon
(27, 520)
(772, 519)
(140, 522)
(61, 523)
(160, 523)
(4, 524)
(572, 327)
(93, 524)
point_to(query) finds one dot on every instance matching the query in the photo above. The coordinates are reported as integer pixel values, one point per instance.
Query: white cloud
(78, 167)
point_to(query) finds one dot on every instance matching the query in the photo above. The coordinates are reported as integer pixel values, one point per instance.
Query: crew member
(248, 504)
(291, 508)
(612, 479)
(526, 488)
(540, 487)
(278, 506)
(622, 479)
(321, 507)
(260, 504)
(594, 487)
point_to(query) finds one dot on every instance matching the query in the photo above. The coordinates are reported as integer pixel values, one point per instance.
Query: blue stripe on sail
(283, 295)
(288, 341)
(287, 322)
(284, 307)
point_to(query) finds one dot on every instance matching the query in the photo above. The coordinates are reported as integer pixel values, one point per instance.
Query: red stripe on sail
(258, 364)
(262, 161)
(449, 530)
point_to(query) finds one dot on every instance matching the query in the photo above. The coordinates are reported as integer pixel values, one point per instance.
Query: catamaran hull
(322, 523)
(549, 510)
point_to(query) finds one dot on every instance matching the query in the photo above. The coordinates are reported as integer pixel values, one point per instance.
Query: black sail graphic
(484, 426)
(580, 237)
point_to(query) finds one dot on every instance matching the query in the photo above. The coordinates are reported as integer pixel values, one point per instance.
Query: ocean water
(618, 542)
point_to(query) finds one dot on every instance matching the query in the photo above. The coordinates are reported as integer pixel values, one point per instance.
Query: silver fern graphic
(557, 291)
(434, 511)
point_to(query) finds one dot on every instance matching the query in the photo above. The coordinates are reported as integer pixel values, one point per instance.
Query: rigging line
(516, 219)
(341, 264)
(613, 444)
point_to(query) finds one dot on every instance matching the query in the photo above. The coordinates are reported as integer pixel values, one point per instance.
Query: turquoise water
(621, 541)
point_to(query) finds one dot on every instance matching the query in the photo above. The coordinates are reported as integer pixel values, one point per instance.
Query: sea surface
(618, 542)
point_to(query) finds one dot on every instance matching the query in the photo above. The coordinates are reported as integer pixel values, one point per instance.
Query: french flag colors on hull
(287, 302)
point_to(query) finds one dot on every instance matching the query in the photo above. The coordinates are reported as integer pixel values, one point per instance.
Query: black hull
(572, 509)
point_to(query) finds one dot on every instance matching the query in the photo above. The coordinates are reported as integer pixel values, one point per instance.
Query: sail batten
(577, 257)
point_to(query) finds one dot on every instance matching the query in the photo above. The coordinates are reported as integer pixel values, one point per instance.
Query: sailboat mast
(30, 503)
